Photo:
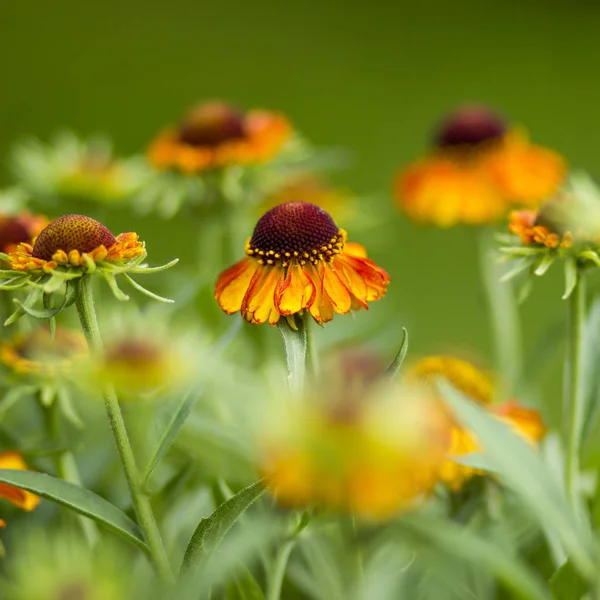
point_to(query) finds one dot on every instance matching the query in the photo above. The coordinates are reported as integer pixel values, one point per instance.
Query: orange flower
(477, 170)
(479, 387)
(38, 353)
(19, 228)
(215, 135)
(375, 458)
(77, 241)
(297, 259)
(20, 498)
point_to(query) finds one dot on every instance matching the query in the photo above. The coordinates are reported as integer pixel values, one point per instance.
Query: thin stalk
(277, 573)
(66, 467)
(89, 323)
(311, 347)
(503, 312)
(575, 400)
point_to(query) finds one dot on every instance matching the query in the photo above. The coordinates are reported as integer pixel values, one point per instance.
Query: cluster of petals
(523, 223)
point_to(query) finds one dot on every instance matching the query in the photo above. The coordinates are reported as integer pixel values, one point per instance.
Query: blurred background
(372, 78)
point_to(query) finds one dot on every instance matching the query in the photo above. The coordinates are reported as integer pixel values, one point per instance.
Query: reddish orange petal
(259, 301)
(295, 292)
(321, 309)
(527, 422)
(233, 283)
(375, 278)
(355, 249)
(354, 282)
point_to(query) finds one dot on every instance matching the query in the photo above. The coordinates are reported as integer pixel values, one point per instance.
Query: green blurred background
(373, 77)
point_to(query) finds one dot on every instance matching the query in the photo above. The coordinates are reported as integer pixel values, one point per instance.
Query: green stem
(503, 313)
(277, 573)
(575, 400)
(311, 347)
(295, 342)
(66, 466)
(87, 317)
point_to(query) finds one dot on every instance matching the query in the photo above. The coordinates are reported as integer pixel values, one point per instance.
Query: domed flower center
(210, 124)
(134, 354)
(12, 231)
(295, 230)
(72, 232)
(470, 126)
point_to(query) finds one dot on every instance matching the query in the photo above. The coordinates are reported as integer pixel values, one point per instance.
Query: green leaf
(545, 263)
(397, 363)
(566, 584)
(146, 292)
(522, 470)
(154, 269)
(79, 499)
(296, 346)
(571, 276)
(522, 250)
(170, 432)
(211, 530)
(522, 264)
(245, 587)
(463, 544)
(114, 287)
(30, 301)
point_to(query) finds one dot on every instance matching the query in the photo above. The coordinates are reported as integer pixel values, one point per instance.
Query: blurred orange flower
(214, 134)
(20, 498)
(19, 228)
(477, 170)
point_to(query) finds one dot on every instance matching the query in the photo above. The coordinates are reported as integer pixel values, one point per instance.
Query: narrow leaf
(295, 343)
(521, 265)
(397, 363)
(114, 288)
(545, 263)
(570, 276)
(154, 269)
(210, 531)
(146, 292)
(77, 498)
(170, 432)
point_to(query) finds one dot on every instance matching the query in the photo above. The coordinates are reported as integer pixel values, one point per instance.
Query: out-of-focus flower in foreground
(477, 170)
(372, 456)
(480, 388)
(70, 166)
(298, 259)
(20, 498)
(73, 246)
(215, 134)
(39, 354)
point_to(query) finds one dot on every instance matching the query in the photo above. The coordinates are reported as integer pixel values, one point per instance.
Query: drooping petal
(375, 278)
(259, 299)
(354, 282)
(233, 283)
(321, 309)
(295, 292)
(336, 290)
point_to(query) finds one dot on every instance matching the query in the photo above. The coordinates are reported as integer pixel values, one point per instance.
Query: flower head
(70, 166)
(215, 134)
(477, 170)
(479, 387)
(298, 259)
(69, 248)
(20, 498)
(40, 353)
(566, 226)
(373, 458)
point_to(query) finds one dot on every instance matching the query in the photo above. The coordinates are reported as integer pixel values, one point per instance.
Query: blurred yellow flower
(479, 387)
(215, 134)
(373, 456)
(20, 498)
(298, 259)
(477, 170)
(37, 353)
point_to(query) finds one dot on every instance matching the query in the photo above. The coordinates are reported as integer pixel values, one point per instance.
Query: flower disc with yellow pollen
(77, 241)
(476, 171)
(215, 134)
(298, 259)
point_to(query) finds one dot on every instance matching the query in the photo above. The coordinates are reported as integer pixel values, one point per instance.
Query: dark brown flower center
(211, 124)
(12, 231)
(295, 230)
(72, 232)
(470, 126)
(134, 354)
